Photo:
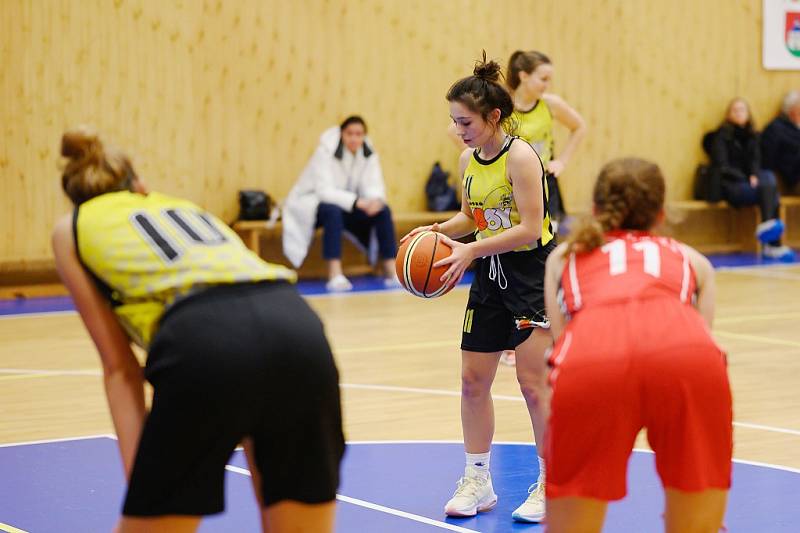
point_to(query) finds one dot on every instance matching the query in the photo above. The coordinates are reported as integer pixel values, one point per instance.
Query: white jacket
(326, 179)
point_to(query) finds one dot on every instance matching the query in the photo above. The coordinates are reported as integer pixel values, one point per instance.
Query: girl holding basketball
(234, 353)
(632, 313)
(504, 203)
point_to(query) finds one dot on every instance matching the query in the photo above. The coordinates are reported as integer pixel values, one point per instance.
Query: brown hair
(523, 62)
(482, 93)
(628, 194)
(92, 169)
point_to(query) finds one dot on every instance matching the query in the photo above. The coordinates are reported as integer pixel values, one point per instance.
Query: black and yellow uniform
(234, 351)
(506, 300)
(536, 127)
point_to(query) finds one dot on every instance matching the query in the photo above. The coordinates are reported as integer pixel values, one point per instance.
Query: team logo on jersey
(498, 216)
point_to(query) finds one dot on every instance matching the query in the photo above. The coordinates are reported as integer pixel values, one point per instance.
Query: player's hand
(459, 261)
(753, 181)
(419, 229)
(555, 167)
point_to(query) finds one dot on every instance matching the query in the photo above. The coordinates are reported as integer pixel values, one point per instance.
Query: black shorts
(231, 362)
(506, 300)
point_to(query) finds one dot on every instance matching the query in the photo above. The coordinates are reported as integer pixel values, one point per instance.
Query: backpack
(254, 205)
(440, 194)
(707, 179)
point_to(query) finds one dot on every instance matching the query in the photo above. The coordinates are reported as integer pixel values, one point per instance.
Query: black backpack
(254, 205)
(707, 179)
(440, 194)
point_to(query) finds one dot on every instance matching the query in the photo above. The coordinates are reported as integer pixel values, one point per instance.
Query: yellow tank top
(491, 198)
(536, 127)
(148, 251)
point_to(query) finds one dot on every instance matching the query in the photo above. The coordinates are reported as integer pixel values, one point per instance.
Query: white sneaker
(532, 509)
(339, 284)
(784, 253)
(392, 282)
(473, 495)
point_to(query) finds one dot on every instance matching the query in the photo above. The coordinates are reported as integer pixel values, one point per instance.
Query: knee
(327, 213)
(533, 387)
(384, 214)
(474, 386)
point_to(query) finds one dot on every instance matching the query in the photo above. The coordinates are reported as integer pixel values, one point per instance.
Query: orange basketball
(414, 264)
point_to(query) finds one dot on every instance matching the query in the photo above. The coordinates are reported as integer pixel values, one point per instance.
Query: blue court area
(78, 486)
(361, 284)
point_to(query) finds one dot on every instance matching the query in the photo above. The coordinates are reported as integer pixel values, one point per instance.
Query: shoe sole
(527, 519)
(482, 509)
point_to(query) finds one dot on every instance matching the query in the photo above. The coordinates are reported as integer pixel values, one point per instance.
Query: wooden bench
(264, 238)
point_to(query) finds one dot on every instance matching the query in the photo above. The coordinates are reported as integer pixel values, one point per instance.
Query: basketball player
(633, 312)
(504, 202)
(529, 75)
(233, 352)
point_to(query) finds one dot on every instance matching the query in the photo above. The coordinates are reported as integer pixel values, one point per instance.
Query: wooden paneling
(211, 96)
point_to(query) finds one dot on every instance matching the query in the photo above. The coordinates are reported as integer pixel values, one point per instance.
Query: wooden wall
(211, 96)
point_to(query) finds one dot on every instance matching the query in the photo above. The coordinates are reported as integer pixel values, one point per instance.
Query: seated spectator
(736, 159)
(341, 190)
(780, 142)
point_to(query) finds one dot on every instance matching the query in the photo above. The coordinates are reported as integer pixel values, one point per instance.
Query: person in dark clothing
(736, 158)
(780, 142)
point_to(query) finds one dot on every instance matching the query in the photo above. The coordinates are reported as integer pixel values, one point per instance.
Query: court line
(11, 529)
(442, 392)
(51, 441)
(751, 318)
(377, 507)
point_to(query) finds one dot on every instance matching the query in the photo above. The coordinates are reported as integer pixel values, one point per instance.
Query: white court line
(439, 392)
(376, 507)
(42, 314)
(50, 441)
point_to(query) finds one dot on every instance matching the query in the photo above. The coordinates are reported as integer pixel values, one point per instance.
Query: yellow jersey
(148, 251)
(491, 197)
(536, 127)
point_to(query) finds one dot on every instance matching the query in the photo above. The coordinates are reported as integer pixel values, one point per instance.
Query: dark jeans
(765, 195)
(334, 220)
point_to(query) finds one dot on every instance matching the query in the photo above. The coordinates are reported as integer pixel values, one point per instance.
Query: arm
(706, 286)
(525, 174)
(720, 159)
(569, 117)
(321, 167)
(122, 374)
(552, 273)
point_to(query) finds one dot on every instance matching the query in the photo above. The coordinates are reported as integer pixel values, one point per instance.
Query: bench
(264, 238)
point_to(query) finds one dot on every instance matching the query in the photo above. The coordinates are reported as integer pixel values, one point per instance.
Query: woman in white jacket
(341, 189)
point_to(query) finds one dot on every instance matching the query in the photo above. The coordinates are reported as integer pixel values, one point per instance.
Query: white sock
(541, 470)
(479, 462)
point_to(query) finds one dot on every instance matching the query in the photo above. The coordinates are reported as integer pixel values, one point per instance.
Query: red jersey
(632, 265)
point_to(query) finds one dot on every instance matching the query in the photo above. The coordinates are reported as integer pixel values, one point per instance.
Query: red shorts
(621, 368)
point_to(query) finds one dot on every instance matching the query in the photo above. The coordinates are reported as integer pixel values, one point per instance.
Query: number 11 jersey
(630, 266)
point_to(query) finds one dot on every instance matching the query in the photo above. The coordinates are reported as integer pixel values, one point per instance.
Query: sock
(479, 462)
(541, 469)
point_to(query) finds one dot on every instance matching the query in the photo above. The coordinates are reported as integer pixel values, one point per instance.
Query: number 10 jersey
(148, 251)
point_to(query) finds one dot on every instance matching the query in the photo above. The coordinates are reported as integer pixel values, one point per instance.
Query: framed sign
(781, 46)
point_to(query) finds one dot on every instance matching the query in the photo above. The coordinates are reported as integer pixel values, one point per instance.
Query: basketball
(414, 264)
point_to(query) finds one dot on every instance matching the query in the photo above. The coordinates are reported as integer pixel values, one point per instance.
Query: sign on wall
(781, 34)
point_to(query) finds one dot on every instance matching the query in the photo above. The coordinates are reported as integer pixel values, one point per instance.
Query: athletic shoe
(473, 495)
(532, 509)
(769, 230)
(508, 357)
(392, 282)
(339, 284)
(781, 253)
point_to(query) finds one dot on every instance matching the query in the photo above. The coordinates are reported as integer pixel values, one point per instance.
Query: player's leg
(694, 512)
(161, 524)
(575, 515)
(288, 514)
